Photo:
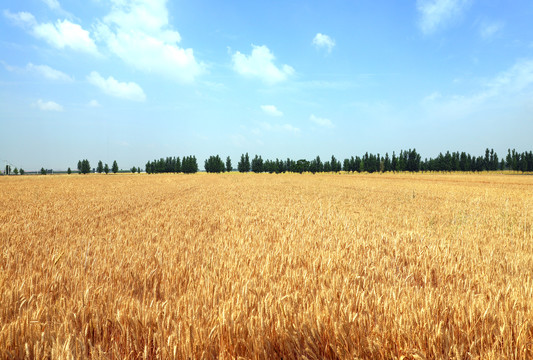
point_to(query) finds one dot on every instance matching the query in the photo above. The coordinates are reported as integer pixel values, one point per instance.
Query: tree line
(187, 165)
(84, 167)
(407, 160)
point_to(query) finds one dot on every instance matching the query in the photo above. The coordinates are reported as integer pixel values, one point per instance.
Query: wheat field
(261, 266)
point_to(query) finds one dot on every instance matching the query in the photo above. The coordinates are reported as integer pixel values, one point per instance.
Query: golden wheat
(267, 266)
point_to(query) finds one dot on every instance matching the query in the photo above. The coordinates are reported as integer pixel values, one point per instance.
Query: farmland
(372, 266)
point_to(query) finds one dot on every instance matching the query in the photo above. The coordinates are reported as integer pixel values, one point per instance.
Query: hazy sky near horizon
(144, 79)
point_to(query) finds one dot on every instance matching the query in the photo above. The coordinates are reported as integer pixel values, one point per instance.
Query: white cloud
(22, 19)
(62, 34)
(438, 14)
(66, 34)
(139, 33)
(323, 41)
(56, 6)
(48, 105)
(110, 86)
(48, 72)
(488, 30)
(321, 121)
(271, 110)
(260, 64)
(43, 70)
(93, 104)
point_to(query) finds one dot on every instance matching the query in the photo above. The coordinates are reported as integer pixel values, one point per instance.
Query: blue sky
(143, 79)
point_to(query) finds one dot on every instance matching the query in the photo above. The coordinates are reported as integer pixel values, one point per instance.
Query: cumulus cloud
(48, 72)
(48, 105)
(271, 110)
(321, 121)
(139, 33)
(61, 34)
(260, 64)
(112, 87)
(322, 41)
(438, 14)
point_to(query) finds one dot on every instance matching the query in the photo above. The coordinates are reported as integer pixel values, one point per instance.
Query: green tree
(387, 165)
(114, 168)
(106, 169)
(257, 164)
(133, 170)
(21, 171)
(43, 171)
(229, 168)
(335, 165)
(240, 164)
(139, 170)
(346, 165)
(394, 162)
(301, 166)
(214, 164)
(84, 166)
(100, 167)
(69, 171)
(244, 164)
(8, 170)
(16, 171)
(189, 165)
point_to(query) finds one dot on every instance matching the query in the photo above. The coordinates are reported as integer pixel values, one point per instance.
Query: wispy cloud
(56, 6)
(42, 70)
(52, 4)
(110, 86)
(509, 87)
(48, 72)
(290, 128)
(321, 121)
(490, 29)
(94, 104)
(438, 14)
(260, 64)
(48, 105)
(61, 34)
(322, 41)
(271, 110)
